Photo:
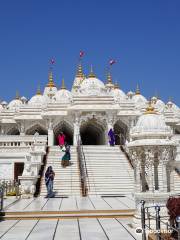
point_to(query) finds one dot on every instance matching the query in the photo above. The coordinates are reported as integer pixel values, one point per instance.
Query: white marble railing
(20, 141)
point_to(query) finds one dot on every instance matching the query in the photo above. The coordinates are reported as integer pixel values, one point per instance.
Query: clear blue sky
(142, 35)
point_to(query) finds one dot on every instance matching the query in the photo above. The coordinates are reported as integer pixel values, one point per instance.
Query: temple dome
(138, 98)
(15, 103)
(160, 105)
(151, 124)
(92, 86)
(37, 100)
(118, 94)
(63, 96)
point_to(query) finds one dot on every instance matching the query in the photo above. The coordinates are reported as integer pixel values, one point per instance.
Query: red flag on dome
(81, 54)
(112, 61)
(52, 61)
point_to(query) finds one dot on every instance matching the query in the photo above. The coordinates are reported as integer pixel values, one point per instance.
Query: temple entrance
(92, 133)
(36, 128)
(18, 170)
(66, 129)
(120, 130)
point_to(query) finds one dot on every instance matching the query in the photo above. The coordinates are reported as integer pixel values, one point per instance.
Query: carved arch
(36, 127)
(67, 128)
(13, 131)
(93, 132)
(121, 132)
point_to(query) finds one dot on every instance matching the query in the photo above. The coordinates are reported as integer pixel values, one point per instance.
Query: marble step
(71, 214)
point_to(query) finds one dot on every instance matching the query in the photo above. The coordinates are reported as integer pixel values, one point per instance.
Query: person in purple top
(111, 137)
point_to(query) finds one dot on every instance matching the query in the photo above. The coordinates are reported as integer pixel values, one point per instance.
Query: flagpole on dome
(109, 67)
(50, 74)
(79, 68)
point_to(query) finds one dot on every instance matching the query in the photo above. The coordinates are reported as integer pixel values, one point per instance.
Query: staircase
(67, 180)
(109, 172)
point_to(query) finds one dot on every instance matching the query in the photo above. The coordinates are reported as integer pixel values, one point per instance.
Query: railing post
(158, 227)
(178, 226)
(143, 223)
(1, 198)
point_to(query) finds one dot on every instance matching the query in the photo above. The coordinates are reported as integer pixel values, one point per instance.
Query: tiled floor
(69, 229)
(66, 229)
(73, 203)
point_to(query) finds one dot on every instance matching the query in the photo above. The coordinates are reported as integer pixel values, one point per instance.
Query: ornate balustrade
(12, 141)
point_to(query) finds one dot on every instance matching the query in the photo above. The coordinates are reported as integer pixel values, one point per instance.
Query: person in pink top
(61, 139)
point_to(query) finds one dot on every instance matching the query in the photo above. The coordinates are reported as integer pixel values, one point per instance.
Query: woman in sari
(111, 137)
(61, 139)
(49, 179)
(66, 157)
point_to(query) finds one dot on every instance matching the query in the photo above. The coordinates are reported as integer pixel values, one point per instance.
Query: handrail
(82, 167)
(124, 150)
(146, 216)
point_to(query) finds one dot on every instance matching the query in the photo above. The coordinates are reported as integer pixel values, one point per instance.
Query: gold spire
(38, 91)
(91, 74)
(109, 78)
(137, 90)
(17, 95)
(50, 78)
(150, 109)
(79, 73)
(63, 84)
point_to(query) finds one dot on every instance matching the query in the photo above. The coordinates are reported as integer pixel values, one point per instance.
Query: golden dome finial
(17, 95)
(150, 109)
(79, 73)
(109, 78)
(137, 90)
(38, 91)
(91, 74)
(51, 81)
(63, 84)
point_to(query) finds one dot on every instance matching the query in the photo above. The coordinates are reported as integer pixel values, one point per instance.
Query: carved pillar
(164, 161)
(22, 128)
(149, 168)
(50, 133)
(137, 171)
(143, 176)
(76, 131)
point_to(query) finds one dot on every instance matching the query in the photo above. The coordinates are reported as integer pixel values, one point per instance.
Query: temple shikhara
(143, 163)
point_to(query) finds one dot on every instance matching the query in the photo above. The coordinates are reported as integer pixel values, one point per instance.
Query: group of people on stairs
(65, 147)
(49, 175)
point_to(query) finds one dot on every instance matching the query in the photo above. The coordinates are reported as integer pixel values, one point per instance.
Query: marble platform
(74, 228)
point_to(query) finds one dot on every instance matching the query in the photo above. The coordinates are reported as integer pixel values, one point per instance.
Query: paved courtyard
(80, 228)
